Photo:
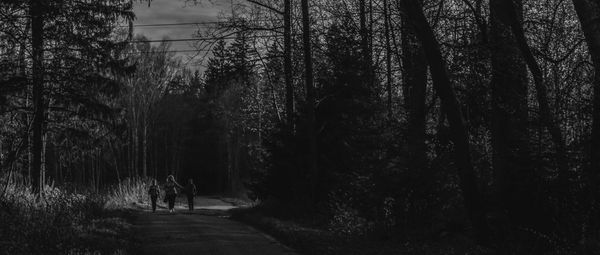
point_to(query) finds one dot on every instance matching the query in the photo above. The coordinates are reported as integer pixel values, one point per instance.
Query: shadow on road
(207, 230)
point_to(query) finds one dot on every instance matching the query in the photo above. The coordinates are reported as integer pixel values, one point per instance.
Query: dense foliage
(421, 118)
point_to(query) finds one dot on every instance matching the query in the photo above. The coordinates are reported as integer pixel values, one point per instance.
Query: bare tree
(287, 64)
(546, 112)
(37, 41)
(588, 12)
(443, 86)
(310, 97)
(414, 77)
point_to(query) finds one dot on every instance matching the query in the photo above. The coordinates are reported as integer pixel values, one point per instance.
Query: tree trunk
(287, 64)
(115, 156)
(37, 41)
(441, 82)
(388, 58)
(310, 99)
(25, 115)
(415, 85)
(514, 176)
(364, 42)
(546, 113)
(589, 15)
(145, 150)
(44, 164)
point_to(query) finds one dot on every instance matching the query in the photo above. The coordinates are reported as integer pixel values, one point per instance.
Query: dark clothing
(171, 200)
(171, 193)
(171, 188)
(153, 192)
(190, 191)
(153, 198)
(190, 202)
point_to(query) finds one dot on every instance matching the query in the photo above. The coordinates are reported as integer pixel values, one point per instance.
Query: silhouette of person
(190, 191)
(171, 192)
(154, 191)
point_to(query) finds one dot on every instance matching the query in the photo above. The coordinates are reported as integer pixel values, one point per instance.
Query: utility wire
(210, 22)
(173, 24)
(204, 39)
(169, 51)
(192, 23)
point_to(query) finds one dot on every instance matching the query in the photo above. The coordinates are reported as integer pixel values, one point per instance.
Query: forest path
(207, 231)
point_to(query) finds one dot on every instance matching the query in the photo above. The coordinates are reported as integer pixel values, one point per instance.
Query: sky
(176, 11)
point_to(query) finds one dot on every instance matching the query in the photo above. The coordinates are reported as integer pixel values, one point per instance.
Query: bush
(129, 192)
(59, 222)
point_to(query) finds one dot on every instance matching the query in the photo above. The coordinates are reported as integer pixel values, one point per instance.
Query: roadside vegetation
(67, 219)
(348, 233)
(382, 126)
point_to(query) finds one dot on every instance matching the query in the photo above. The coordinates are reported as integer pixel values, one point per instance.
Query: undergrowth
(347, 234)
(128, 192)
(65, 221)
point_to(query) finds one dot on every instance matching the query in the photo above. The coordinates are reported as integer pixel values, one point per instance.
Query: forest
(414, 126)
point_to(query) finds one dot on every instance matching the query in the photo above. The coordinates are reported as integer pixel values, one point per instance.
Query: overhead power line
(174, 24)
(205, 39)
(194, 23)
(171, 51)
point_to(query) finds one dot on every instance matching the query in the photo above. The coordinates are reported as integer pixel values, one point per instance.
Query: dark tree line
(434, 115)
(426, 103)
(84, 101)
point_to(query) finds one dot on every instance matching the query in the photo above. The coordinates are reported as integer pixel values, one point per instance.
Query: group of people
(171, 190)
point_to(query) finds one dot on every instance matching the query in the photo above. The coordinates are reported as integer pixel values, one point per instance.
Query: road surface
(206, 231)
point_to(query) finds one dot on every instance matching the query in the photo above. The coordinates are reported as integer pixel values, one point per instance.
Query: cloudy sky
(169, 13)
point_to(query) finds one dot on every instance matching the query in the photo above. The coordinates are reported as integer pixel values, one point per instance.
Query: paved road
(206, 231)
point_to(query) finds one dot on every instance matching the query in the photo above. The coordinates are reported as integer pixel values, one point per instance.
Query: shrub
(131, 191)
(59, 222)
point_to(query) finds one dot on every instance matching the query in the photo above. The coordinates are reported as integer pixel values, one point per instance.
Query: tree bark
(388, 58)
(515, 179)
(589, 16)
(287, 64)
(415, 85)
(37, 41)
(364, 42)
(310, 99)
(588, 12)
(145, 149)
(546, 113)
(473, 198)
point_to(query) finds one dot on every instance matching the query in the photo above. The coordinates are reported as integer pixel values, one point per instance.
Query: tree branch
(271, 8)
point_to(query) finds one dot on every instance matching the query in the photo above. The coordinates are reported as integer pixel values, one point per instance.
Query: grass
(129, 192)
(67, 222)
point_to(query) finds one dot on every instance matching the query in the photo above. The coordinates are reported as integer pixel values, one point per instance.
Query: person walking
(171, 192)
(190, 191)
(154, 191)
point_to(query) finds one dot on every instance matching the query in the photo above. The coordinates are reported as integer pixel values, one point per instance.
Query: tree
(514, 176)
(546, 112)
(589, 13)
(415, 86)
(473, 198)
(388, 57)
(589, 17)
(287, 64)
(312, 156)
(364, 42)
(37, 39)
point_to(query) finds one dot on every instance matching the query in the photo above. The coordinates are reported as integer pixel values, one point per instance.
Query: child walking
(171, 192)
(153, 192)
(190, 191)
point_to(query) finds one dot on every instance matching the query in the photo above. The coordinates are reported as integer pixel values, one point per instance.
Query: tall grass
(131, 191)
(63, 221)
